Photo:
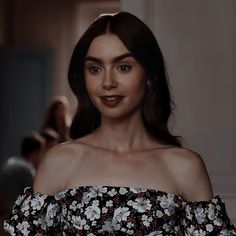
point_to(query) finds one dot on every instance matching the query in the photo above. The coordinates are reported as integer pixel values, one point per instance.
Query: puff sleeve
(34, 214)
(206, 218)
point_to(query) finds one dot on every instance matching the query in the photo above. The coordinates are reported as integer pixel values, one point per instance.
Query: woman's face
(115, 81)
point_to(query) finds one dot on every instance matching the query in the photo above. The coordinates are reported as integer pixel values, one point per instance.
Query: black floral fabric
(108, 210)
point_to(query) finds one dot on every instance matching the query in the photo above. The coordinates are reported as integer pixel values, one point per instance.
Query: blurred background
(197, 39)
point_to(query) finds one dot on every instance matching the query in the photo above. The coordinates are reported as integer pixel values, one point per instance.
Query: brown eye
(124, 68)
(94, 69)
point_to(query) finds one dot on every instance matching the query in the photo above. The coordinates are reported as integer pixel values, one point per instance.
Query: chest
(139, 169)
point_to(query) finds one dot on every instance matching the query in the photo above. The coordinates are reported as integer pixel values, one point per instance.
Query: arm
(191, 176)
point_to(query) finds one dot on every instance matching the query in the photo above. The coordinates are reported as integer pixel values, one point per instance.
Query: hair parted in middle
(157, 105)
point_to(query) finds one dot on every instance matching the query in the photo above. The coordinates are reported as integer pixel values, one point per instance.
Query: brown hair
(157, 105)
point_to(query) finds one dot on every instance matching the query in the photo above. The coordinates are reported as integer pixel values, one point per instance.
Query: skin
(121, 152)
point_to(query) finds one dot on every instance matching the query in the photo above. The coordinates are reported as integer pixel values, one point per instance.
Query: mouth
(112, 100)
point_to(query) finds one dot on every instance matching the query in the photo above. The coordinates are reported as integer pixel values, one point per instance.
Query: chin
(118, 115)
(112, 115)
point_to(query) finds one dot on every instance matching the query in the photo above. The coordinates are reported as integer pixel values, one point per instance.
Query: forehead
(107, 45)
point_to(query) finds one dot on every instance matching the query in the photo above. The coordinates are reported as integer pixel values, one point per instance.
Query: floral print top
(108, 210)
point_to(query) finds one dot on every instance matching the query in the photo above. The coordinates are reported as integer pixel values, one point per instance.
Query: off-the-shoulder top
(108, 210)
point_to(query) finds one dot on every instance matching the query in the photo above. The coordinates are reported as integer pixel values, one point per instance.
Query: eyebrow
(114, 60)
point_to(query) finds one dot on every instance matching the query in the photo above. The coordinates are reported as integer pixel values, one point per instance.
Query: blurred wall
(52, 23)
(197, 39)
(55, 24)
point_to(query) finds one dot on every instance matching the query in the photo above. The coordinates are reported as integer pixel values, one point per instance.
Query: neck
(123, 135)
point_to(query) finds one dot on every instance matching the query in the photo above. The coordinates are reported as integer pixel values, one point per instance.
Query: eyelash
(123, 68)
(92, 68)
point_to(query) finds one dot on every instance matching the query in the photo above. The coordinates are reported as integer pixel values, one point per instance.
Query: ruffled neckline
(133, 189)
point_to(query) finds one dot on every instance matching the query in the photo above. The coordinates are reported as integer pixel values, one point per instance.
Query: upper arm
(53, 171)
(192, 177)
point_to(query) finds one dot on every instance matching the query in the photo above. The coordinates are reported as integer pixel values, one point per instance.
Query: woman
(124, 173)
(58, 117)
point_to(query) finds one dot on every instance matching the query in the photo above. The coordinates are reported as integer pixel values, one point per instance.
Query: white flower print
(10, 229)
(130, 232)
(41, 221)
(73, 191)
(39, 214)
(104, 210)
(156, 233)
(23, 228)
(165, 200)
(100, 190)
(217, 222)
(121, 213)
(87, 196)
(51, 213)
(137, 190)
(190, 230)
(166, 227)
(167, 203)
(74, 205)
(130, 225)
(112, 192)
(93, 212)
(94, 223)
(25, 209)
(140, 204)
(211, 212)
(200, 214)
(123, 191)
(146, 220)
(109, 203)
(215, 200)
(189, 215)
(87, 227)
(209, 227)
(218, 207)
(37, 202)
(93, 193)
(25, 204)
(159, 214)
(60, 195)
(78, 222)
(19, 200)
(110, 226)
(199, 233)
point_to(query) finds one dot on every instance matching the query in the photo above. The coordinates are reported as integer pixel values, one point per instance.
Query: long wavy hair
(157, 105)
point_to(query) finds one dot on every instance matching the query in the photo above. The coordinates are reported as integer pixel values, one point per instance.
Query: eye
(94, 69)
(124, 68)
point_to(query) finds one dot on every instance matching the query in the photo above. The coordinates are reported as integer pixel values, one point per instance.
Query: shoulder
(183, 156)
(56, 166)
(190, 173)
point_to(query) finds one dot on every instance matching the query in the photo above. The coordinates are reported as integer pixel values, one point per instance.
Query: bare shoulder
(183, 156)
(190, 173)
(56, 166)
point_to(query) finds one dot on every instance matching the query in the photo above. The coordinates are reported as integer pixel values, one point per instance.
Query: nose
(109, 81)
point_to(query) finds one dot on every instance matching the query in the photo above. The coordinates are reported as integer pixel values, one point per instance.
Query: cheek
(138, 86)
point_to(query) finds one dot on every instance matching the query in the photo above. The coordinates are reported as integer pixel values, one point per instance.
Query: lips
(111, 100)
